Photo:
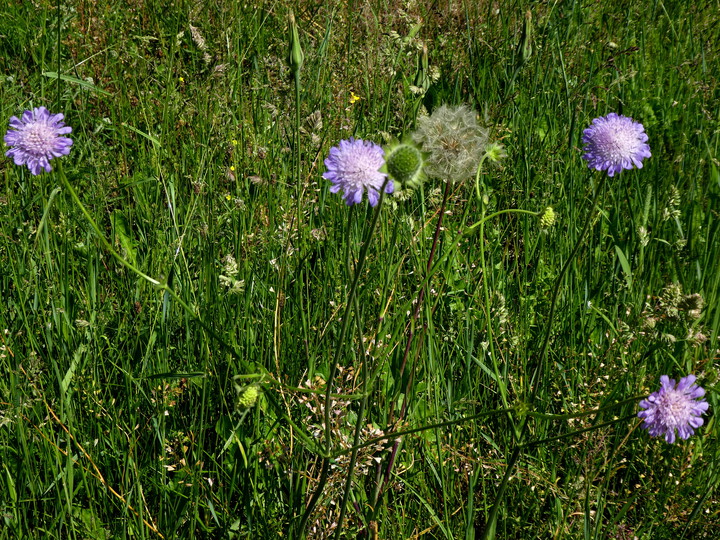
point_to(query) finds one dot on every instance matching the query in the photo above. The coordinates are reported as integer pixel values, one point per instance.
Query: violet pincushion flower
(36, 138)
(353, 166)
(615, 142)
(674, 408)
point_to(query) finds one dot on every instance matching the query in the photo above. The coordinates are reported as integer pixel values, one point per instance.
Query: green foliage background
(124, 407)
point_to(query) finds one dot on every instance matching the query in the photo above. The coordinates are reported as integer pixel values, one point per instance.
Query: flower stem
(162, 286)
(339, 348)
(486, 299)
(356, 437)
(408, 346)
(101, 237)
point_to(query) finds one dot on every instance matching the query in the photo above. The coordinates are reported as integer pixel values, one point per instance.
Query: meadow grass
(176, 294)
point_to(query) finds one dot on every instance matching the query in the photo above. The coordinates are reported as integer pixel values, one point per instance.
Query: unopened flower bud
(495, 152)
(404, 164)
(547, 219)
(526, 40)
(295, 53)
(248, 397)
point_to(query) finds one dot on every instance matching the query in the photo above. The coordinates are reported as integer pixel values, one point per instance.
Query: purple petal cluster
(615, 142)
(36, 138)
(353, 166)
(674, 408)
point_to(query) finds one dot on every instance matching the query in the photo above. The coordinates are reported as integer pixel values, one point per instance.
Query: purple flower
(37, 138)
(353, 167)
(672, 408)
(615, 142)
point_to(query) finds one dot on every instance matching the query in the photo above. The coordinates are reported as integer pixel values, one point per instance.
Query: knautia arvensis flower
(404, 165)
(36, 138)
(672, 408)
(453, 142)
(615, 142)
(354, 166)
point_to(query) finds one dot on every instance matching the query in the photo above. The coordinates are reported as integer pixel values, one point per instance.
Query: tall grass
(187, 256)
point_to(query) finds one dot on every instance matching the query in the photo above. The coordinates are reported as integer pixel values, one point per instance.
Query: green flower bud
(404, 164)
(248, 397)
(547, 219)
(295, 53)
(495, 152)
(527, 37)
(525, 45)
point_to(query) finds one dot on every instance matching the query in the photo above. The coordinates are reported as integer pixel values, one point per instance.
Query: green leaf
(625, 266)
(65, 383)
(74, 80)
(123, 236)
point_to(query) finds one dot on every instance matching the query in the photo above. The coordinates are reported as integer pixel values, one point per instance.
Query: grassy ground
(127, 410)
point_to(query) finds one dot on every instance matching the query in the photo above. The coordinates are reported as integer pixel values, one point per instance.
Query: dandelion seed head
(453, 141)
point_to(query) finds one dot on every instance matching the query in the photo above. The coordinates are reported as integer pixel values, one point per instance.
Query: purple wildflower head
(353, 167)
(674, 408)
(36, 138)
(615, 142)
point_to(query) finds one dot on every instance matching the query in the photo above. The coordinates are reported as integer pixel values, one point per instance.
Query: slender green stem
(594, 427)
(339, 349)
(537, 375)
(408, 346)
(356, 436)
(59, 43)
(471, 228)
(396, 434)
(545, 416)
(101, 237)
(486, 298)
(296, 157)
(162, 286)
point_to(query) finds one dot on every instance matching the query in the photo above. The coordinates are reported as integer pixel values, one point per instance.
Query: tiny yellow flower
(228, 197)
(354, 97)
(181, 79)
(232, 168)
(234, 142)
